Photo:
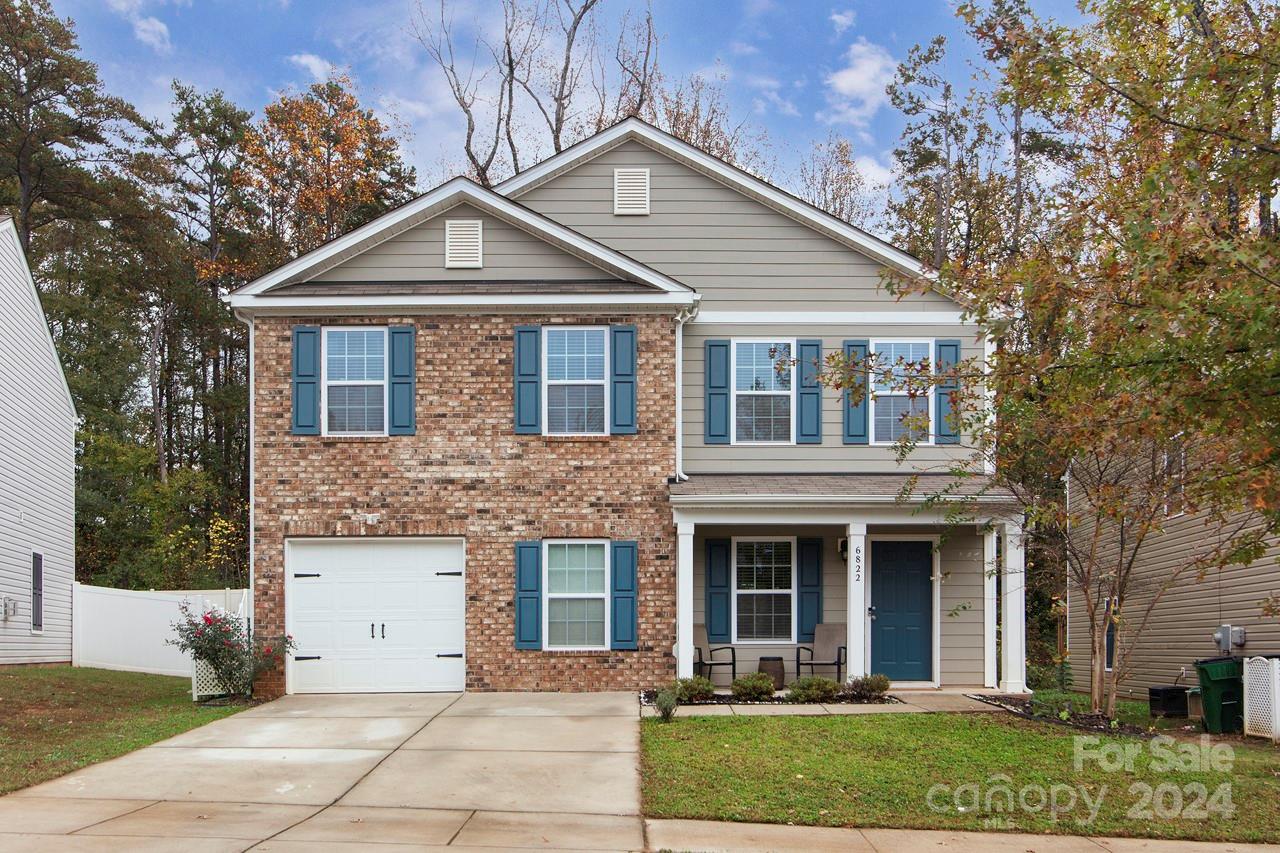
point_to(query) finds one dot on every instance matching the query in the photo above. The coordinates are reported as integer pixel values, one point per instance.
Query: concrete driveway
(474, 771)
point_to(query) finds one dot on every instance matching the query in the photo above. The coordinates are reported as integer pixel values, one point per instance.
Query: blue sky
(797, 68)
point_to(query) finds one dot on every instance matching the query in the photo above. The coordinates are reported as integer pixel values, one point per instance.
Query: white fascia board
(744, 181)
(667, 301)
(766, 501)
(459, 190)
(877, 318)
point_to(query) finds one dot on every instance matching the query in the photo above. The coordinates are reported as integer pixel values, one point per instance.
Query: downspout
(684, 316)
(247, 319)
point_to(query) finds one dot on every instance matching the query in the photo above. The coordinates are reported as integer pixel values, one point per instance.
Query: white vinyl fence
(126, 630)
(1262, 697)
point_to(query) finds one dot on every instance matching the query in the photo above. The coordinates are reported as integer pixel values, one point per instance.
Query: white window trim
(734, 392)
(324, 380)
(733, 586)
(31, 577)
(547, 382)
(547, 595)
(930, 438)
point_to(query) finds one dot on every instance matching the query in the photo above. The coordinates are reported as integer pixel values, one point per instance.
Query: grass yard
(56, 719)
(879, 770)
(1133, 712)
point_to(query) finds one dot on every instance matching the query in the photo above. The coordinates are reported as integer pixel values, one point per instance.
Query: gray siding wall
(37, 475)
(1180, 629)
(510, 254)
(961, 635)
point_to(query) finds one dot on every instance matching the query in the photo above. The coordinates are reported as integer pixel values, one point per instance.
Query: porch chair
(703, 656)
(828, 649)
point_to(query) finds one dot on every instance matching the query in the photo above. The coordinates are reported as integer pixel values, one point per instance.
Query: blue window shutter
(809, 393)
(528, 377)
(855, 417)
(623, 617)
(809, 606)
(948, 356)
(622, 380)
(716, 405)
(529, 595)
(718, 591)
(402, 385)
(306, 380)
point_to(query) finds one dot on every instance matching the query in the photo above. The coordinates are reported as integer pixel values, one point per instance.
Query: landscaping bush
(753, 687)
(666, 703)
(813, 688)
(696, 689)
(867, 688)
(221, 640)
(1042, 676)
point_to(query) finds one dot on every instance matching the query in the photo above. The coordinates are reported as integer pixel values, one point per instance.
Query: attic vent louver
(631, 192)
(463, 244)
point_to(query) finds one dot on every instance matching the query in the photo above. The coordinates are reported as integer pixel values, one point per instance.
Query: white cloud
(741, 48)
(876, 173)
(842, 20)
(147, 29)
(770, 98)
(857, 91)
(318, 67)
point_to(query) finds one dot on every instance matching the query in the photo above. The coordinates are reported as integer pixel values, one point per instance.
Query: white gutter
(390, 301)
(248, 321)
(683, 317)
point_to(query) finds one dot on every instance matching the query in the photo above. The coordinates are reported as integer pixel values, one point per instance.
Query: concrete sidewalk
(716, 837)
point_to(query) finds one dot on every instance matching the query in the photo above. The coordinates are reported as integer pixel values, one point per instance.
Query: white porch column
(1013, 612)
(989, 633)
(684, 599)
(857, 618)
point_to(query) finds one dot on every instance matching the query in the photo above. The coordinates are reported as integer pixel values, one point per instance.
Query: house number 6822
(857, 563)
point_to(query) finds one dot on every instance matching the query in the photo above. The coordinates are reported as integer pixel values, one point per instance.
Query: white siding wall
(37, 474)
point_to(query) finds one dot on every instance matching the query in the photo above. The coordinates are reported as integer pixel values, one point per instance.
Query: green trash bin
(1222, 692)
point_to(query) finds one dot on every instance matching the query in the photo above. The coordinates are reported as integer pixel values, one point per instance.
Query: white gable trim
(10, 231)
(455, 191)
(784, 202)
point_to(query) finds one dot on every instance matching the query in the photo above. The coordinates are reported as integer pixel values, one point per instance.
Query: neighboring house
(533, 438)
(37, 473)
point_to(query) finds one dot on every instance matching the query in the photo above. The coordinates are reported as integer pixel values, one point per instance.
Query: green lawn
(1133, 712)
(56, 719)
(878, 771)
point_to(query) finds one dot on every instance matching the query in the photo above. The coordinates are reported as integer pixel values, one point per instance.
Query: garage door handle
(370, 630)
(449, 574)
(306, 657)
(306, 574)
(384, 630)
(454, 655)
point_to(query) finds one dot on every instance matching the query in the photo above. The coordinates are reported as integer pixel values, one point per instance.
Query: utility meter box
(1228, 637)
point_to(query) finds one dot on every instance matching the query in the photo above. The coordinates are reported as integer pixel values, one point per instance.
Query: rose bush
(221, 641)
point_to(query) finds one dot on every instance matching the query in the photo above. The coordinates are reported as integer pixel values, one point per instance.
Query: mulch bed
(1024, 707)
(647, 698)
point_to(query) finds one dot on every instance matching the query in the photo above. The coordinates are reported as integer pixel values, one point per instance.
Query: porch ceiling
(834, 488)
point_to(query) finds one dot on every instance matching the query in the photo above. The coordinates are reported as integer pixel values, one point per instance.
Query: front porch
(760, 571)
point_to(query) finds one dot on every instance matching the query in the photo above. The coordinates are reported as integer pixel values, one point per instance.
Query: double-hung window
(577, 373)
(764, 590)
(896, 413)
(577, 595)
(355, 381)
(763, 397)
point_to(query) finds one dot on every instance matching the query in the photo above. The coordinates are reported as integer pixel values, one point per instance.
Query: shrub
(666, 703)
(813, 688)
(867, 688)
(753, 687)
(1042, 676)
(1062, 667)
(221, 640)
(696, 689)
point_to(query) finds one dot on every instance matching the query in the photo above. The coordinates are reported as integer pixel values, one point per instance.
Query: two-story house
(538, 438)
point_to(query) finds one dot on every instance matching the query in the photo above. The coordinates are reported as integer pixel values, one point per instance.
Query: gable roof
(9, 233)
(438, 200)
(746, 183)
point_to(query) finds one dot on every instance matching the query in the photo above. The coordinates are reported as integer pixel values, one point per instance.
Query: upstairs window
(896, 414)
(763, 397)
(577, 371)
(37, 592)
(355, 373)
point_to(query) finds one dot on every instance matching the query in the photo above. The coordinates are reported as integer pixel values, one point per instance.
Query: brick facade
(466, 473)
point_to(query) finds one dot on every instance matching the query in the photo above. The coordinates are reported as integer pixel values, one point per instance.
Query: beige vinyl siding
(961, 635)
(510, 254)
(37, 486)
(738, 253)
(1180, 628)
(832, 456)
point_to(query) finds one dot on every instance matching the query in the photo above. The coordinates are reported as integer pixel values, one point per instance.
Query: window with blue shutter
(622, 380)
(809, 392)
(809, 588)
(528, 380)
(306, 380)
(948, 356)
(401, 381)
(718, 589)
(716, 393)
(623, 615)
(528, 602)
(855, 416)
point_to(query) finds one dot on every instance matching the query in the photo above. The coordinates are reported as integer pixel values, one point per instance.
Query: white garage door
(375, 615)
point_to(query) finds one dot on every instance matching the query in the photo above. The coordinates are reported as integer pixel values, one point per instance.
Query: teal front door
(902, 610)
